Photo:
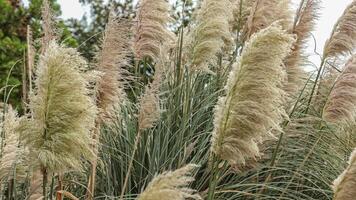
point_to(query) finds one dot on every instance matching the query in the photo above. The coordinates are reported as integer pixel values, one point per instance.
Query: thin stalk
(92, 177)
(137, 140)
(24, 84)
(180, 49)
(52, 188)
(315, 84)
(44, 183)
(59, 195)
(213, 178)
(29, 63)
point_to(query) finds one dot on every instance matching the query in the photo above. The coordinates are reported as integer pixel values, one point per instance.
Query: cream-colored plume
(150, 110)
(264, 12)
(343, 37)
(48, 26)
(305, 21)
(35, 192)
(344, 186)
(111, 63)
(241, 11)
(211, 33)
(171, 186)
(151, 30)
(58, 133)
(12, 162)
(252, 107)
(341, 104)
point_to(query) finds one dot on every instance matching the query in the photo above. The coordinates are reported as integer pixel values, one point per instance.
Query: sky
(330, 12)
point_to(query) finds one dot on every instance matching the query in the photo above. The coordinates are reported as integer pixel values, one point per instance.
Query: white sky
(330, 12)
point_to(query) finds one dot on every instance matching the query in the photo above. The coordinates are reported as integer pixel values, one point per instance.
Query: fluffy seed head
(343, 37)
(264, 12)
(12, 162)
(111, 63)
(35, 192)
(171, 186)
(304, 25)
(211, 33)
(62, 113)
(252, 107)
(150, 111)
(48, 26)
(344, 186)
(151, 28)
(341, 104)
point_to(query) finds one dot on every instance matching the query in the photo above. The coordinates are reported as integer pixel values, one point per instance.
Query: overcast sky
(330, 12)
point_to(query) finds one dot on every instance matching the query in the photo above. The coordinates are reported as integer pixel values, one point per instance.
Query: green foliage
(13, 22)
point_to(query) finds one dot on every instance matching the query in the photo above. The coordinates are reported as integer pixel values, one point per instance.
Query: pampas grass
(211, 33)
(341, 104)
(252, 108)
(62, 113)
(264, 12)
(111, 63)
(344, 185)
(48, 26)
(304, 23)
(151, 28)
(171, 186)
(130, 129)
(12, 162)
(343, 37)
(35, 191)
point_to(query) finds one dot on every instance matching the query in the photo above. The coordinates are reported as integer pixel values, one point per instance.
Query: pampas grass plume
(211, 34)
(13, 160)
(111, 62)
(341, 104)
(343, 37)
(344, 186)
(151, 29)
(304, 25)
(171, 186)
(264, 12)
(150, 110)
(253, 104)
(48, 26)
(58, 133)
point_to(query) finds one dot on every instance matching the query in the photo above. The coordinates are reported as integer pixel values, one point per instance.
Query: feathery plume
(62, 112)
(171, 186)
(48, 26)
(12, 162)
(252, 107)
(341, 104)
(264, 13)
(241, 11)
(150, 110)
(35, 192)
(344, 185)
(211, 34)
(151, 28)
(30, 56)
(111, 61)
(149, 102)
(343, 37)
(304, 24)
